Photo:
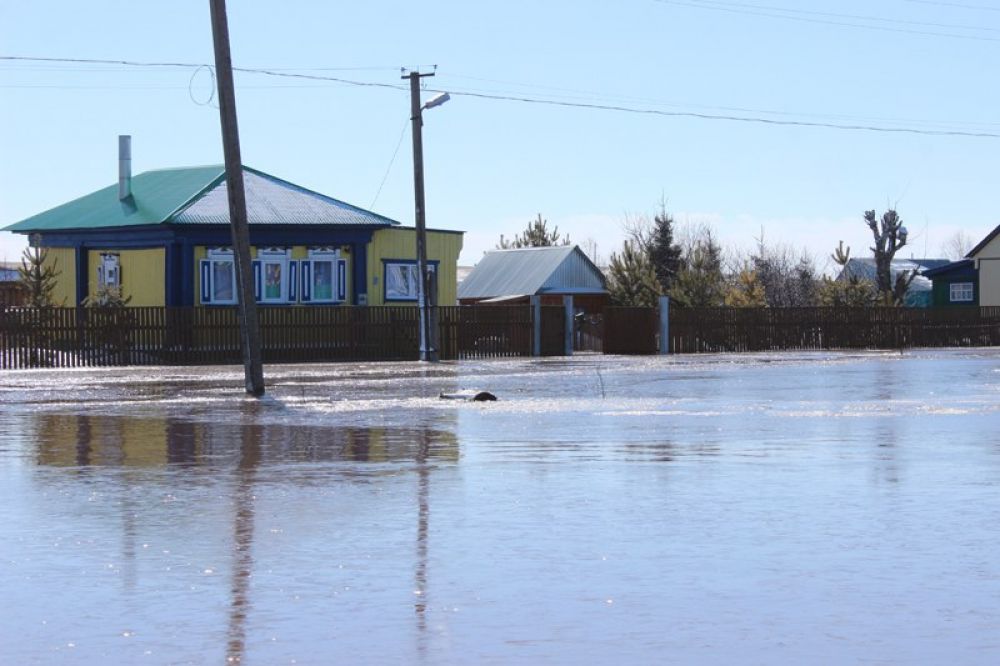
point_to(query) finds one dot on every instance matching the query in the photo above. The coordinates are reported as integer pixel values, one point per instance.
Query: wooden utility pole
(249, 329)
(428, 350)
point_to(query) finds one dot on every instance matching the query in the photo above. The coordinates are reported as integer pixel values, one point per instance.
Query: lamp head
(437, 100)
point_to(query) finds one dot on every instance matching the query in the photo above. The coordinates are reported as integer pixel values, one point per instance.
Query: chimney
(124, 166)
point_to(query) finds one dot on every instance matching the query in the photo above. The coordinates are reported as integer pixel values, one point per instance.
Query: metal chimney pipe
(124, 166)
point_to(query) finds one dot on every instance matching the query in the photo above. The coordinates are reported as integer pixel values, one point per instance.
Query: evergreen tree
(664, 254)
(632, 279)
(848, 290)
(536, 234)
(37, 276)
(700, 282)
(747, 291)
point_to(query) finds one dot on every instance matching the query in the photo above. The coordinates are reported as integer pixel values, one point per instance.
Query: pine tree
(700, 282)
(850, 291)
(632, 280)
(664, 254)
(536, 234)
(747, 291)
(37, 276)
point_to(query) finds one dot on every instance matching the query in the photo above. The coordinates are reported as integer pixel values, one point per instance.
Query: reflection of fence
(764, 329)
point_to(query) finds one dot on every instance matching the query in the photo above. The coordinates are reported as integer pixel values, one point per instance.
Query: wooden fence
(82, 337)
(768, 329)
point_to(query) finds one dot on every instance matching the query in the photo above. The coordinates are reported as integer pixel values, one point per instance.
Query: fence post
(568, 336)
(536, 325)
(664, 324)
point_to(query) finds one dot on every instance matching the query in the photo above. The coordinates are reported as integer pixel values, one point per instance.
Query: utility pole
(249, 329)
(428, 350)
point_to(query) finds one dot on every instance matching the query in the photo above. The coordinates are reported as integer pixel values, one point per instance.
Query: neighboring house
(11, 290)
(986, 262)
(956, 283)
(164, 238)
(512, 276)
(919, 293)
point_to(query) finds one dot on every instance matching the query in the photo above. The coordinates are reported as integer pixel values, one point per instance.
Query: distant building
(974, 280)
(11, 290)
(919, 294)
(512, 276)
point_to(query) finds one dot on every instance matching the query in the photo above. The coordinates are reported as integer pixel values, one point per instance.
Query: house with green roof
(163, 238)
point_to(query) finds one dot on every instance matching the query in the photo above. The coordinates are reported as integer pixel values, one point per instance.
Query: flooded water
(810, 508)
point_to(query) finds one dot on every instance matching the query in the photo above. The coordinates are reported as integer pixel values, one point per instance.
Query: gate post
(536, 325)
(568, 336)
(664, 324)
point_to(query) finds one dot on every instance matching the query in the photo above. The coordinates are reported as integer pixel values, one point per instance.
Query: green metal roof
(156, 195)
(197, 195)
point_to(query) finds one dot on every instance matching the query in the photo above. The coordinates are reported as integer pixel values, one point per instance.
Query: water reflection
(243, 531)
(423, 518)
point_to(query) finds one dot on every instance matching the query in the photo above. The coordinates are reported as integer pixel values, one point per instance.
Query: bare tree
(958, 245)
(889, 235)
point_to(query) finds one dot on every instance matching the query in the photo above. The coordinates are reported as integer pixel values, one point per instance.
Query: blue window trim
(408, 262)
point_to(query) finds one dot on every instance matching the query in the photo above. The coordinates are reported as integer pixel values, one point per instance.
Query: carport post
(568, 338)
(536, 325)
(664, 324)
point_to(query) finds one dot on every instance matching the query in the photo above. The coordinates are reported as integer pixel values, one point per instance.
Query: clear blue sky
(493, 165)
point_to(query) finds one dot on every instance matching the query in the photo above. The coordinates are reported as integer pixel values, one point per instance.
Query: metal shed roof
(535, 270)
(198, 195)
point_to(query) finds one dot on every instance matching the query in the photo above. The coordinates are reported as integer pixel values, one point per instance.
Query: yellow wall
(143, 274)
(401, 243)
(64, 259)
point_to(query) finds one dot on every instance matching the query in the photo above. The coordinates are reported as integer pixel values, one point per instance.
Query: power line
(749, 10)
(392, 161)
(553, 102)
(853, 17)
(960, 5)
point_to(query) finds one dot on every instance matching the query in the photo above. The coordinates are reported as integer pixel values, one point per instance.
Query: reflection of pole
(249, 329)
(242, 568)
(423, 519)
(427, 350)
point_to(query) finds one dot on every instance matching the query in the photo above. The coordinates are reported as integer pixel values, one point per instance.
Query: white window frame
(323, 256)
(109, 270)
(220, 256)
(961, 292)
(414, 279)
(274, 257)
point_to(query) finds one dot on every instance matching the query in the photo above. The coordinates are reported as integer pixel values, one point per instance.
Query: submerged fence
(82, 337)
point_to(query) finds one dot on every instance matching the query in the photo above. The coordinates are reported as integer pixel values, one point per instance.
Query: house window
(218, 277)
(324, 277)
(961, 292)
(272, 275)
(109, 272)
(402, 279)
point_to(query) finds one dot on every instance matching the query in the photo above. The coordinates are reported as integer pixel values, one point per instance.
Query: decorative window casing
(324, 277)
(273, 276)
(961, 292)
(109, 271)
(402, 279)
(218, 277)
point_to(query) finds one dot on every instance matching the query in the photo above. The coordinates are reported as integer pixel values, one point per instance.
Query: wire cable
(392, 161)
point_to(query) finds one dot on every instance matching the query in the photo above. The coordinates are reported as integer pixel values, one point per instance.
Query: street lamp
(428, 331)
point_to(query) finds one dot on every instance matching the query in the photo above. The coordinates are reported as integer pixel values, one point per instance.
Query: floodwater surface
(752, 509)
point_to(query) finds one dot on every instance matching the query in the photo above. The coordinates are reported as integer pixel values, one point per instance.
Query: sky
(492, 165)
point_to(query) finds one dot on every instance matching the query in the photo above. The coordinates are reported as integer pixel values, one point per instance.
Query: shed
(512, 276)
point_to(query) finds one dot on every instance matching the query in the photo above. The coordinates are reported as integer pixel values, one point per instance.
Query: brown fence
(631, 330)
(553, 330)
(484, 331)
(764, 329)
(82, 337)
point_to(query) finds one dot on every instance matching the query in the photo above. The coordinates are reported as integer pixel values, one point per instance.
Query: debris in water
(472, 396)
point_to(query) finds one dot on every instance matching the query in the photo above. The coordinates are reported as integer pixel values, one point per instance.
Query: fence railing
(817, 328)
(82, 337)
(90, 337)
